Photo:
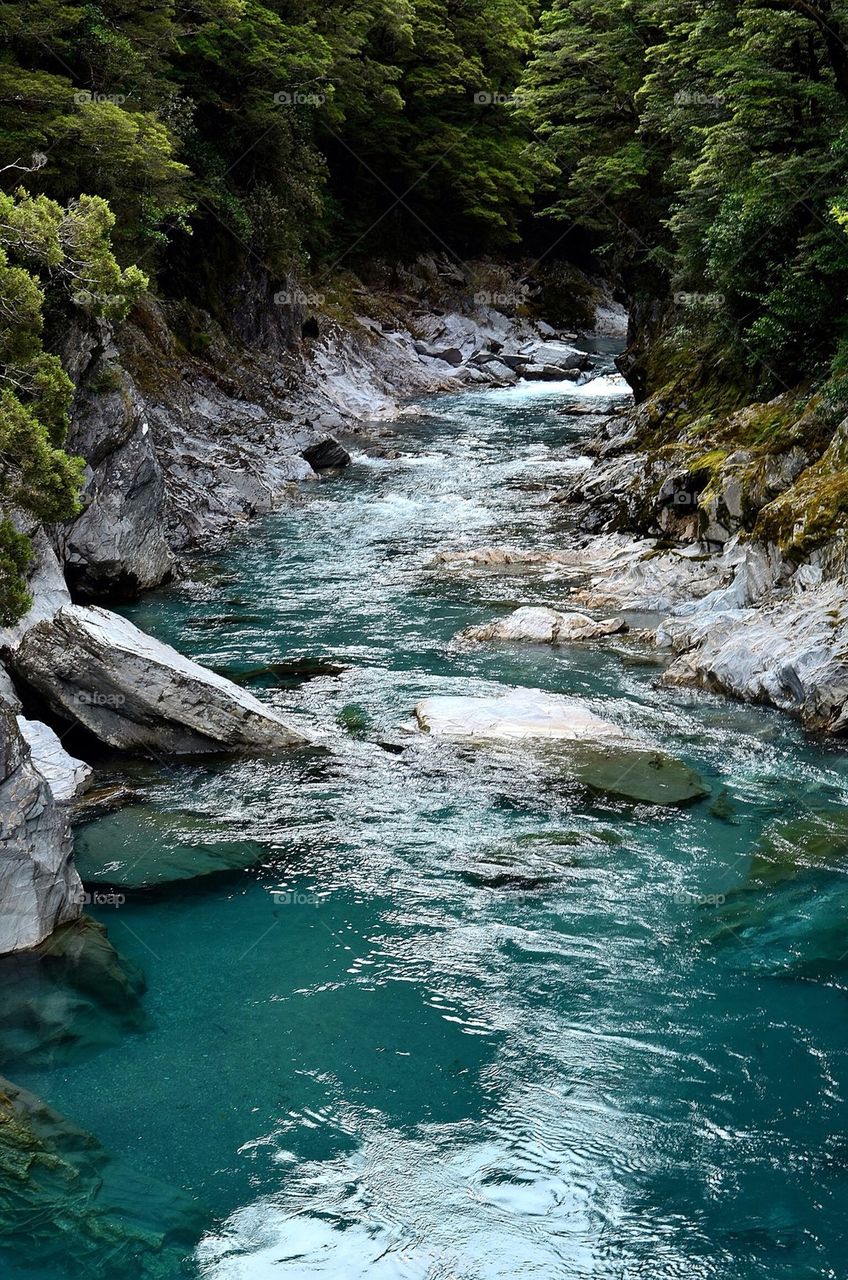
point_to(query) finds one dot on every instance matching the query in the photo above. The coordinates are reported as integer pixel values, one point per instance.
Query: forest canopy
(695, 151)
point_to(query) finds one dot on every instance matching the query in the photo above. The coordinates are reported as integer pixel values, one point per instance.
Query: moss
(808, 514)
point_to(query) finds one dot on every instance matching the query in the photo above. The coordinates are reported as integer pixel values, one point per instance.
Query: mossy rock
(788, 849)
(65, 1203)
(137, 848)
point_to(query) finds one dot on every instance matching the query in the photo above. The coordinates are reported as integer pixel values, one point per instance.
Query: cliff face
(755, 490)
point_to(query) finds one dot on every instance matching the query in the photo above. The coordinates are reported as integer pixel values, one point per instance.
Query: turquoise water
(464, 1020)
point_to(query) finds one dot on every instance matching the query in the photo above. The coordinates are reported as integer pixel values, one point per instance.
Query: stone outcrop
(516, 714)
(39, 888)
(576, 743)
(117, 546)
(546, 626)
(791, 653)
(96, 669)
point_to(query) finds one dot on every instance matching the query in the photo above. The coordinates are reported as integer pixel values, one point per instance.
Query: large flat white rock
(588, 749)
(519, 713)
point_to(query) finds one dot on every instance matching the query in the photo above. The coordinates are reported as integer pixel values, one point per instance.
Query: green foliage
(60, 255)
(705, 144)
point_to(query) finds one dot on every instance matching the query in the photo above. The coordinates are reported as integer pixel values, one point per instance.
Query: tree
(64, 253)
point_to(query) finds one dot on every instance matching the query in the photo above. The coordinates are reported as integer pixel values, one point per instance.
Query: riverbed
(464, 1019)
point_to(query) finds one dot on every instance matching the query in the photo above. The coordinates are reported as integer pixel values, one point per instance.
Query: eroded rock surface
(539, 625)
(133, 692)
(39, 888)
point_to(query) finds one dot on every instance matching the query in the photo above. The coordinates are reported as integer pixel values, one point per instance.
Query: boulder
(39, 888)
(559, 355)
(517, 713)
(80, 1211)
(132, 692)
(67, 775)
(547, 626)
(450, 355)
(535, 372)
(326, 455)
(593, 751)
(516, 362)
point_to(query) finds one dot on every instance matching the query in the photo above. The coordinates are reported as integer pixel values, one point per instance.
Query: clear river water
(464, 1019)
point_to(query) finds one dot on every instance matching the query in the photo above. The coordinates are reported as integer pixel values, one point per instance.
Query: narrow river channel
(461, 1020)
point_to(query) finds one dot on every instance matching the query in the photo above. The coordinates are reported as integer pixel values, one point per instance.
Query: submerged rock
(141, 849)
(70, 995)
(133, 692)
(594, 751)
(640, 773)
(547, 626)
(74, 1204)
(817, 841)
(39, 888)
(286, 674)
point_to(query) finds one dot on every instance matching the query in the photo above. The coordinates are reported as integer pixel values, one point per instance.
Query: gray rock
(785, 652)
(8, 694)
(535, 372)
(67, 776)
(39, 888)
(547, 626)
(133, 692)
(326, 455)
(47, 587)
(450, 355)
(117, 546)
(559, 355)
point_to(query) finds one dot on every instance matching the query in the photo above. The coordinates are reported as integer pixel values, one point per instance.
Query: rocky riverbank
(188, 433)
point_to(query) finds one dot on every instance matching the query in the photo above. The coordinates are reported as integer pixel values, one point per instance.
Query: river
(464, 1020)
